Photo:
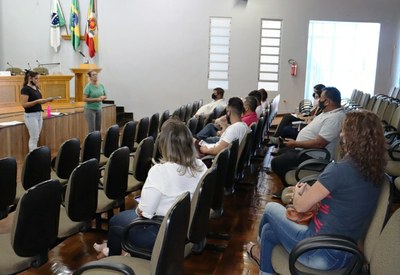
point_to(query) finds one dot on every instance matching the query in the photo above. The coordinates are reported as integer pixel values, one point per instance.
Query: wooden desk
(50, 85)
(81, 79)
(56, 129)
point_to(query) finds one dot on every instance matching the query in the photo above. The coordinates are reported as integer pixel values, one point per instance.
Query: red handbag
(301, 217)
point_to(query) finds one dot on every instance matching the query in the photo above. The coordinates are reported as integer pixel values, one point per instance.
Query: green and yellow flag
(74, 24)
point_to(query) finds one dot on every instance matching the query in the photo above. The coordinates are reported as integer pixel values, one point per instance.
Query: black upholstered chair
(128, 135)
(8, 184)
(80, 201)
(35, 169)
(34, 228)
(164, 117)
(141, 165)
(110, 144)
(168, 253)
(156, 151)
(221, 161)
(230, 178)
(115, 182)
(188, 113)
(91, 146)
(142, 131)
(192, 125)
(200, 212)
(66, 160)
(201, 123)
(153, 127)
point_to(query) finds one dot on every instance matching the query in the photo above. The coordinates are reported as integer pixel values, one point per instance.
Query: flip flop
(249, 249)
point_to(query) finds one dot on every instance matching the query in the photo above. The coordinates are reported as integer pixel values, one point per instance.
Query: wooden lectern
(81, 78)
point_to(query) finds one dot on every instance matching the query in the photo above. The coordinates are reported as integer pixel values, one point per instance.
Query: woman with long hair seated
(347, 190)
(179, 171)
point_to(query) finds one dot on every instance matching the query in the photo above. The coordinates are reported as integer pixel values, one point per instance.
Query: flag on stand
(91, 28)
(74, 24)
(57, 21)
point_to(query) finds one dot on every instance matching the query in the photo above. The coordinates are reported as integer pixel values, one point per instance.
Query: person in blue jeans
(347, 190)
(179, 171)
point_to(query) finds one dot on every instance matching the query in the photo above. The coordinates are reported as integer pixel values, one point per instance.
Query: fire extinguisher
(293, 67)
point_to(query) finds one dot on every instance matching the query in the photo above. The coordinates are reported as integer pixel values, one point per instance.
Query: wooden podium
(81, 78)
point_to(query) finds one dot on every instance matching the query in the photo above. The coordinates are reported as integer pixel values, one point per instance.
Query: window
(342, 54)
(270, 43)
(218, 69)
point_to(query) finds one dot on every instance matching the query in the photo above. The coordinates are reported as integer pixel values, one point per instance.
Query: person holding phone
(179, 171)
(31, 99)
(93, 94)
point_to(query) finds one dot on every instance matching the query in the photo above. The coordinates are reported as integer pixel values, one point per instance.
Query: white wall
(154, 53)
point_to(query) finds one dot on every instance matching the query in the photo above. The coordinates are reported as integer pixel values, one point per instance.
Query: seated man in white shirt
(236, 130)
(218, 102)
(322, 132)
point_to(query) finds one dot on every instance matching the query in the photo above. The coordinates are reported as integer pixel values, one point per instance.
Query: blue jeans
(276, 229)
(141, 236)
(208, 133)
(34, 123)
(93, 119)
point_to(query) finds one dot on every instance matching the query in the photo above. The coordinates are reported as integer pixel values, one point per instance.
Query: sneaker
(99, 247)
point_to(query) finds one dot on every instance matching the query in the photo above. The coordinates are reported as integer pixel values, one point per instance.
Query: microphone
(81, 53)
(37, 61)
(9, 64)
(29, 65)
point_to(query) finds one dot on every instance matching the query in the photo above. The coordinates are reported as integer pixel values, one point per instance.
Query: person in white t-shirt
(179, 171)
(236, 130)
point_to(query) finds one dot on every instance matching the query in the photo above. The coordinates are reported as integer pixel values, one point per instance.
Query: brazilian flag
(74, 24)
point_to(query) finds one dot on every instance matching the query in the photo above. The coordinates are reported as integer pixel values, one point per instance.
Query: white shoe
(99, 247)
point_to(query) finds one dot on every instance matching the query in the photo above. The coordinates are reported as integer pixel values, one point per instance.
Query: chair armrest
(129, 247)
(121, 268)
(317, 165)
(391, 135)
(321, 150)
(394, 150)
(328, 242)
(310, 180)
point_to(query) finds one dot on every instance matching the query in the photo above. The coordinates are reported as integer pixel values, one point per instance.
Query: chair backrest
(116, 174)
(195, 108)
(153, 127)
(36, 167)
(244, 149)
(395, 119)
(378, 220)
(201, 205)
(364, 100)
(143, 129)
(200, 123)
(111, 140)
(156, 150)
(167, 255)
(375, 108)
(233, 156)
(128, 135)
(188, 113)
(218, 111)
(370, 104)
(164, 117)
(222, 162)
(81, 194)
(36, 219)
(388, 114)
(257, 136)
(182, 113)
(192, 125)
(91, 147)
(385, 259)
(67, 158)
(8, 184)
(382, 108)
(142, 161)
